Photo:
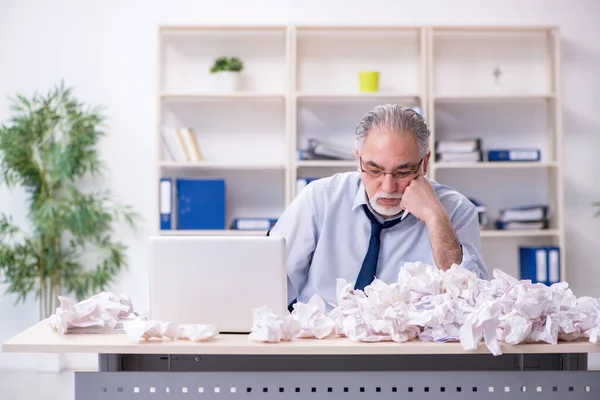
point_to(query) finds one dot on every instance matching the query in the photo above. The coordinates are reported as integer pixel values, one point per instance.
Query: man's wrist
(437, 218)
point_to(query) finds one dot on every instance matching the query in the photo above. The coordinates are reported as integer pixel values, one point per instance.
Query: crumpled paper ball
(142, 329)
(269, 327)
(104, 310)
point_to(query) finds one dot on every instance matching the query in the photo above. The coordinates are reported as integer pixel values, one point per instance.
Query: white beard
(386, 210)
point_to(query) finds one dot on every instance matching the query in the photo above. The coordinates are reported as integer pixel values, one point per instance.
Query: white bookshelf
(301, 82)
(242, 135)
(517, 110)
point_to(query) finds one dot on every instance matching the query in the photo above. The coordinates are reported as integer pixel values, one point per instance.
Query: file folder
(201, 203)
(514, 155)
(166, 203)
(540, 264)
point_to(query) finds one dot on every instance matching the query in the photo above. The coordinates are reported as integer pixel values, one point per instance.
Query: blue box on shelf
(201, 203)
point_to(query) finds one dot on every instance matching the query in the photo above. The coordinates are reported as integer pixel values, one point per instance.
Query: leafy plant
(227, 64)
(48, 148)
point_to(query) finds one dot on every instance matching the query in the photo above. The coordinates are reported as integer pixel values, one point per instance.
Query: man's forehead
(396, 163)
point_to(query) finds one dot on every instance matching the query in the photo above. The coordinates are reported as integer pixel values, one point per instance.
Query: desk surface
(40, 338)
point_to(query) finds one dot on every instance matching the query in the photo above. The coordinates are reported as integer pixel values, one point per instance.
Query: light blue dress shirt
(327, 236)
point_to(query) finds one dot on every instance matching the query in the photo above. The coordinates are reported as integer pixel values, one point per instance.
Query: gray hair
(394, 118)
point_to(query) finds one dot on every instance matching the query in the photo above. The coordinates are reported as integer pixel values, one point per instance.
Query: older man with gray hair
(367, 223)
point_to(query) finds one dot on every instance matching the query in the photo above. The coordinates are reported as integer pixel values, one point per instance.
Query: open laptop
(216, 279)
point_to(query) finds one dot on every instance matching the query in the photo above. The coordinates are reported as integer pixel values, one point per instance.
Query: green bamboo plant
(48, 147)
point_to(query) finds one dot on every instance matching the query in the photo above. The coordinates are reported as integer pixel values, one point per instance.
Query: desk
(233, 367)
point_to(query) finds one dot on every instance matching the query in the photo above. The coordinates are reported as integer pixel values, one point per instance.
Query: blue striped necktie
(369, 266)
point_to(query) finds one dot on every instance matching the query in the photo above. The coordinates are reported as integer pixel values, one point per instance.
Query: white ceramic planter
(227, 81)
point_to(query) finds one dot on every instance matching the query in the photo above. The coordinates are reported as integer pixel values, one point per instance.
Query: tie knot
(376, 228)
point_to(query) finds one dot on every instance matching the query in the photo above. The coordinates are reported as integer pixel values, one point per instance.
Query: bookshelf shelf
(217, 232)
(301, 82)
(197, 97)
(413, 97)
(219, 166)
(494, 97)
(325, 163)
(519, 233)
(493, 165)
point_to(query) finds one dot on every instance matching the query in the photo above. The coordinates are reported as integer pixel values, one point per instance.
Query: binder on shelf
(526, 225)
(527, 213)
(165, 203)
(471, 156)
(467, 145)
(201, 203)
(459, 150)
(253, 224)
(540, 264)
(320, 150)
(514, 155)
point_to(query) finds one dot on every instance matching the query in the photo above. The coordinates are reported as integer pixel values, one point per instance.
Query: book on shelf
(181, 144)
(459, 150)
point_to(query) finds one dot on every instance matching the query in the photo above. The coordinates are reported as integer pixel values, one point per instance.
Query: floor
(30, 386)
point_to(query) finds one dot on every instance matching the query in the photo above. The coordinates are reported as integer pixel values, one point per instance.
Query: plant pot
(369, 81)
(227, 81)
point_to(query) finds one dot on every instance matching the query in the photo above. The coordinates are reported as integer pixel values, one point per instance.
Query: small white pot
(227, 81)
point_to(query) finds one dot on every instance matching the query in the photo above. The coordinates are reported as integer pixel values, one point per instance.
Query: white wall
(107, 51)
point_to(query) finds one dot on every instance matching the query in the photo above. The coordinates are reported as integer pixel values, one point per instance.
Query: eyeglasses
(376, 173)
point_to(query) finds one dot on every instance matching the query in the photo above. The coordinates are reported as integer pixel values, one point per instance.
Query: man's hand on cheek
(419, 199)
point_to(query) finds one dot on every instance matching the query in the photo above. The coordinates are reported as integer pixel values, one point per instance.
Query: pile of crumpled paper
(108, 312)
(429, 304)
(105, 311)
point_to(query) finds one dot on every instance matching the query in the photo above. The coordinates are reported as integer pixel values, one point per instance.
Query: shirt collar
(360, 197)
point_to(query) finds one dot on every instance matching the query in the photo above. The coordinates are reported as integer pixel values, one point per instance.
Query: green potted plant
(227, 72)
(69, 248)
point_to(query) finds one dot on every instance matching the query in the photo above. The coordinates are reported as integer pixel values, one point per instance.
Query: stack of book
(320, 150)
(181, 144)
(459, 150)
(526, 217)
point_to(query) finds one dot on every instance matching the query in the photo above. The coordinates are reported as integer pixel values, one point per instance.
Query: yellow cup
(369, 81)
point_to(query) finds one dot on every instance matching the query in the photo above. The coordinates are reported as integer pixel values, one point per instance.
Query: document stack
(526, 217)
(320, 150)
(459, 150)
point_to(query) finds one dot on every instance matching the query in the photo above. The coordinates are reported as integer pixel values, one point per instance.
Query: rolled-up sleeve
(466, 225)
